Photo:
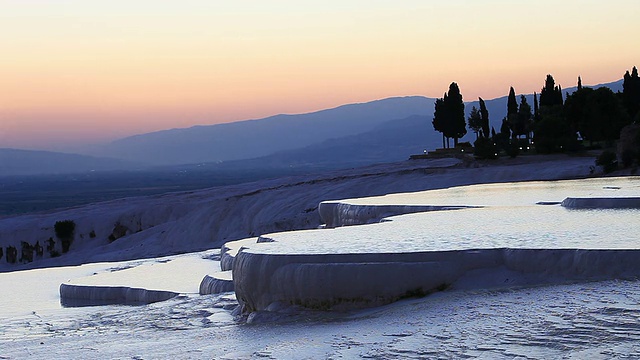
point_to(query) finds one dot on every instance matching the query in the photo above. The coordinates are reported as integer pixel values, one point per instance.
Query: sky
(74, 72)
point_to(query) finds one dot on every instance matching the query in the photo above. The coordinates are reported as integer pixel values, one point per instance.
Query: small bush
(485, 149)
(64, 229)
(26, 254)
(38, 249)
(608, 161)
(51, 247)
(513, 149)
(119, 231)
(12, 255)
(51, 244)
(66, 244)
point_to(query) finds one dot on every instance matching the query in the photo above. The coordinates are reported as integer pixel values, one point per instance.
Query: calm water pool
(510, 217)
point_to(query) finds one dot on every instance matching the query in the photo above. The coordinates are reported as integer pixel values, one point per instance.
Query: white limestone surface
(230, 250)
(144, 281)
(345, 281)
(373, 209)
(217, 283)
(183, 222)
(591, 320)
(79, 295)
(507, 240)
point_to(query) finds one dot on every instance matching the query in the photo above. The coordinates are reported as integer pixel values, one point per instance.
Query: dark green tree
(605, 116)
(484, 114)
(449, 117)
(505, 129)
(475, 121)
(512, 103)
(440, 118)
(536, 108)
(551, 95)
(631, 92)
(485, 148)
(559, 96)
(458, 127)
(65, 231)
(524, 118)
(552, 133)
(575, 108)
(546, 95)
(501, 139)
(512, 111)
(579, 83)
(575, 111)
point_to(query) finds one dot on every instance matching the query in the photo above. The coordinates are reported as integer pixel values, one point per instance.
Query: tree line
(553, 124)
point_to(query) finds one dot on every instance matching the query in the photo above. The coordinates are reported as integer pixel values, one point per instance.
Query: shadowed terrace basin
(494, 235)
(138, 282)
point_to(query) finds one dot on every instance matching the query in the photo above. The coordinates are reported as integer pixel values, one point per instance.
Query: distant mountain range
(390, 141)
(257, 138)
(349, 135)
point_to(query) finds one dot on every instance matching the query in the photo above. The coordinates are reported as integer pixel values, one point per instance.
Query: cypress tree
(559, 97)
(484, 146)
(475, 121)
(536, 114)
(547, 91)
(579, 83)
(549, 94)
(512, 103)
(505, 129)
(512, 112)
(523, 126)
(484, 114)
(439, 118)
(575, 111)
(448, 117)
(631, 92)
(455, 107)
(553, 132)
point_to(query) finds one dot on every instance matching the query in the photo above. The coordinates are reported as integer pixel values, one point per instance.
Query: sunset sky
(75, 72)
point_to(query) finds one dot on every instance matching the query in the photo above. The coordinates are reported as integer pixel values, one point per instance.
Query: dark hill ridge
(390, 141)
(256, 138)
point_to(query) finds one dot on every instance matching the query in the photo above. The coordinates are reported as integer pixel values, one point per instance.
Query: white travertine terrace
(416, 254)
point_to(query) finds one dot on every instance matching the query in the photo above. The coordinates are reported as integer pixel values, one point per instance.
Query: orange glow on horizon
(106, 70)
